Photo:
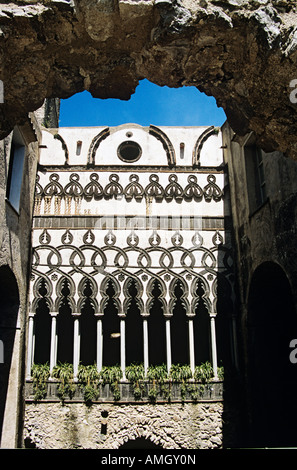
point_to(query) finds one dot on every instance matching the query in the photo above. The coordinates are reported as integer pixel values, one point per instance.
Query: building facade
(263, 205)
(132, 264)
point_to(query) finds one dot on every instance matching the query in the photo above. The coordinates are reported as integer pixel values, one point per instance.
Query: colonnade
(99, 341)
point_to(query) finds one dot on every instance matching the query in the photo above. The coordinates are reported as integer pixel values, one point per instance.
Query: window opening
(42, 327)
(179, 329)
(65, 326)
(201, 327)
(134, 328)
(15, 171)
(87, 328)
(129, 151)
(78, 147)
(255, 174)
(111, 329)
(156, 329)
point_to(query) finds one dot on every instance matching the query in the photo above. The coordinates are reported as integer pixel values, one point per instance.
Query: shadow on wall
(9, 306)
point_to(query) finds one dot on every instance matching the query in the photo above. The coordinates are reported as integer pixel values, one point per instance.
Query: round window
(129, 151)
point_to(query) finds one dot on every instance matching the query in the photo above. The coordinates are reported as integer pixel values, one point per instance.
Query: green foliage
(112, 375)
(180, 373)
(64, 372)
(40, 374)
(203, 373)
(158, 379)
(89, 377)
(135, 374)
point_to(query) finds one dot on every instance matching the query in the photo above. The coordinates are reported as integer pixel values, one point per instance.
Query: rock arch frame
(243, 53)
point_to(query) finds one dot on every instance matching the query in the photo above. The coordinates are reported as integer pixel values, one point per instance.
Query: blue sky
(150, 104)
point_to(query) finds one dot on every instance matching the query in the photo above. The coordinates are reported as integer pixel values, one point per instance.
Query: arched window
(111, 327)
(65, 325)
(42, 325)
(87, 323)
(134, 329)
(179, 327)
(9, 307)
(201, 325)
(156, 326)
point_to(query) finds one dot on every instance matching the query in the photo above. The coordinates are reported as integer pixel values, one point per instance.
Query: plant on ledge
(181, 373)
(135, 375)
(64, 372)
(157, 374)
(112, 375)
(40, 374)
(89, 377)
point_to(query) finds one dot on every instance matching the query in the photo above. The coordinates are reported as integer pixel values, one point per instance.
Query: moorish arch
(242, 53)
(271, 325)
(9, 309)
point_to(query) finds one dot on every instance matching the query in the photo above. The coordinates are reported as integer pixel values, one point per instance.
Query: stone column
(30, 344)
(145, 344)
(54, 340)
(168, 343)
(191, 344)
(99, 341)
(76, 345)
(123, 345)
(214, 345)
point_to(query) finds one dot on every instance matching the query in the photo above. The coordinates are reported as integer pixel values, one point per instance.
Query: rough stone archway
(271, 324)
(242, 52)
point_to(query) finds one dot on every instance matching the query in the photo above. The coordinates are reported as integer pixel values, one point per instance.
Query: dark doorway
(9, 307)
(272, 378)
(140, 443)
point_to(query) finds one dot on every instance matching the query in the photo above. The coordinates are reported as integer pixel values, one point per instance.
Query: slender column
(145, 345)
(214, 345)
(76, 345)
(30, 344)
(53, 351)
(99, 341)
(123, 347)
(191, 345)
(168, 344)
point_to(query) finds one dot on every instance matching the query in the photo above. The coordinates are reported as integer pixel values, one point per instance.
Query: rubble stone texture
(242, 52)
(187, 426)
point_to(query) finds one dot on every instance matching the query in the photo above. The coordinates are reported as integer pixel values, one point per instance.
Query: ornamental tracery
(146, 266)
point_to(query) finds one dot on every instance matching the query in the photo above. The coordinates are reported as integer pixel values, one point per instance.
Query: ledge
(191, 392)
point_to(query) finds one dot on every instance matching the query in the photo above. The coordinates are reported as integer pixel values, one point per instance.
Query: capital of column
(54, 314)
(99, 315)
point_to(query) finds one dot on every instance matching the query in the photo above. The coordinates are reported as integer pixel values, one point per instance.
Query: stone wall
(178, 426)
(242, 52)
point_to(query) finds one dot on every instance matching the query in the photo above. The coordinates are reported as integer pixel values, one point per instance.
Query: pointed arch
(166, 142)
(200, 142)
(95, 144)
(42, 290)
(133, 306)
(110, 307)
(179, 307)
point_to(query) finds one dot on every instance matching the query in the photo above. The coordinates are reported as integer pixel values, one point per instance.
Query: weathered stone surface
(188, 426)
(243, 52)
